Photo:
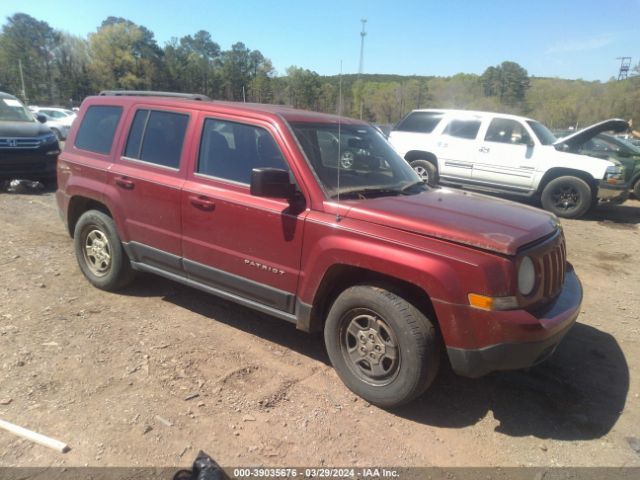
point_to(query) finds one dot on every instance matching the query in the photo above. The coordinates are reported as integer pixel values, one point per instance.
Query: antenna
(339, 139)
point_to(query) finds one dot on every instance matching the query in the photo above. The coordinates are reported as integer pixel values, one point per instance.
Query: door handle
(125, 183)
(483, 149)
(201, 202)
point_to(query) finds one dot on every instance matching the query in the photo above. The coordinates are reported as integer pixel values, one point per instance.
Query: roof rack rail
(148, 93)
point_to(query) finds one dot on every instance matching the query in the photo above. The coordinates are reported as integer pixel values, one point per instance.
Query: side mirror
(41, 118)
(272, 183)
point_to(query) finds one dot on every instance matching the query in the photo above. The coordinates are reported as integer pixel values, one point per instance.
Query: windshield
(543, 133)
(11, 110)
(620, 144)
(368, 165)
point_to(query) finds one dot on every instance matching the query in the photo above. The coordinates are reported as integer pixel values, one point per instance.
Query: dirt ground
(153, 374)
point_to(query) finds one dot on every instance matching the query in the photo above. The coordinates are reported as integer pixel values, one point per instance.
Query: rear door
(505, 156)
(246, 246)
(147, 179)
(456, 148)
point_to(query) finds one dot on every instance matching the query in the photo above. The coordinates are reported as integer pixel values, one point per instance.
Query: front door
(506, 156)
(244, 245)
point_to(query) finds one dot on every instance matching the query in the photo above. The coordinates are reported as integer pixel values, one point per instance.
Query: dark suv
(315, 219)
(28, 149)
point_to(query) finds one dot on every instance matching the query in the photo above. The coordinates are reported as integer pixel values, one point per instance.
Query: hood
(462, 217)
(578, 138)
(23, 129)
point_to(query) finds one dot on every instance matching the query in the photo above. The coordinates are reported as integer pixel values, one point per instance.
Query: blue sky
(561, 38)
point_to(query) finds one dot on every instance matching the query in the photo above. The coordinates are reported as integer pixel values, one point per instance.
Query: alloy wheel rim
(97, 252)
(422, 172)
(566, 198)
(369, 346)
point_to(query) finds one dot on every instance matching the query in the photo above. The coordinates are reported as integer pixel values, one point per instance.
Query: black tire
(426, 170)
(636, 189)
(402, 342)
(567, 197)
(99, 252)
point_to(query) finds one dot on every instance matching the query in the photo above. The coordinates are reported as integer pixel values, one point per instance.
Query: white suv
(509, 154)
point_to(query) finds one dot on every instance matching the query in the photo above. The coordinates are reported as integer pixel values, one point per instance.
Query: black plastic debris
(204, 468)
(22, 186)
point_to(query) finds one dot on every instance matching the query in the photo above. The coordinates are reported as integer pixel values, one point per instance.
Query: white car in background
(501, 153)
(59, 120)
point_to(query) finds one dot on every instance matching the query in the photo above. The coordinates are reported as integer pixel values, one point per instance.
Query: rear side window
(421, 122)
(98, 128)
(231, 150)
(463, 128)
(157, 137)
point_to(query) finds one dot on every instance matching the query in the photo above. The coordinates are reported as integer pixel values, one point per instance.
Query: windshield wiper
(366, 192)
(412, 185)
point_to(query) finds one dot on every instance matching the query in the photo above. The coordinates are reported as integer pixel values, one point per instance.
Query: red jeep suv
(314, 219)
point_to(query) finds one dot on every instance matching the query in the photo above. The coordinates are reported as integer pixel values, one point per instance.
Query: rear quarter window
(98, 128)
(420, 122)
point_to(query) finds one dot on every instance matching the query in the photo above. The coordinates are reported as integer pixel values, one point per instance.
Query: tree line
(57, 68)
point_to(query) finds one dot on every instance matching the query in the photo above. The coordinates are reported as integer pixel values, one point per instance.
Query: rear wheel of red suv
(382, 347)
(99, 252)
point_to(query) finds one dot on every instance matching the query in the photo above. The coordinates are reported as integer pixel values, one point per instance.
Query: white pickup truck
(502, 153)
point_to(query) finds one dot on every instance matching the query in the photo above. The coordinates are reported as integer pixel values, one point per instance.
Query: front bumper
(615, 194)
(528, 338)
(30, 164)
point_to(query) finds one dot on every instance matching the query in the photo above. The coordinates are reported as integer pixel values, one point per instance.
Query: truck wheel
(636, 189)
(567, 197)
(426, 170)
(382, 347)
(99, 252)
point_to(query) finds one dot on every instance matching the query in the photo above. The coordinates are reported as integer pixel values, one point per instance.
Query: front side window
(231, 150)
(53, 113)
(504, 130)
(463, 128)
(98, 128)
(157, 137)
(355, 161)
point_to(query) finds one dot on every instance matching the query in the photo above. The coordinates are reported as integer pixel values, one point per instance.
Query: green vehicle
(607, 146)
(604, 145)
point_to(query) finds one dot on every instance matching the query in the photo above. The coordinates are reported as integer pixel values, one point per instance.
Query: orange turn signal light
(492, 303)
(480, 301)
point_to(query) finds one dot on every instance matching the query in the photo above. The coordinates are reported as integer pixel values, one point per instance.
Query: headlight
(49, 138)
(526, 276)
(614, 174)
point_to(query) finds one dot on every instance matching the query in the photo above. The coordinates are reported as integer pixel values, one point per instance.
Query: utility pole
(362, 35)
(360, 67)
(24, 92)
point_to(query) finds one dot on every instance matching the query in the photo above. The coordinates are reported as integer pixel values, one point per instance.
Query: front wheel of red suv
(382, 347)
(99, 252)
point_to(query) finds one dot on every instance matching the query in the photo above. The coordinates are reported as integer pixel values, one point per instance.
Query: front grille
(19, 143)
(552, 267)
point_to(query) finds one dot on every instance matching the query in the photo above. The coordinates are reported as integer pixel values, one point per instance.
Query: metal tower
(362, 35)
(625, 64)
